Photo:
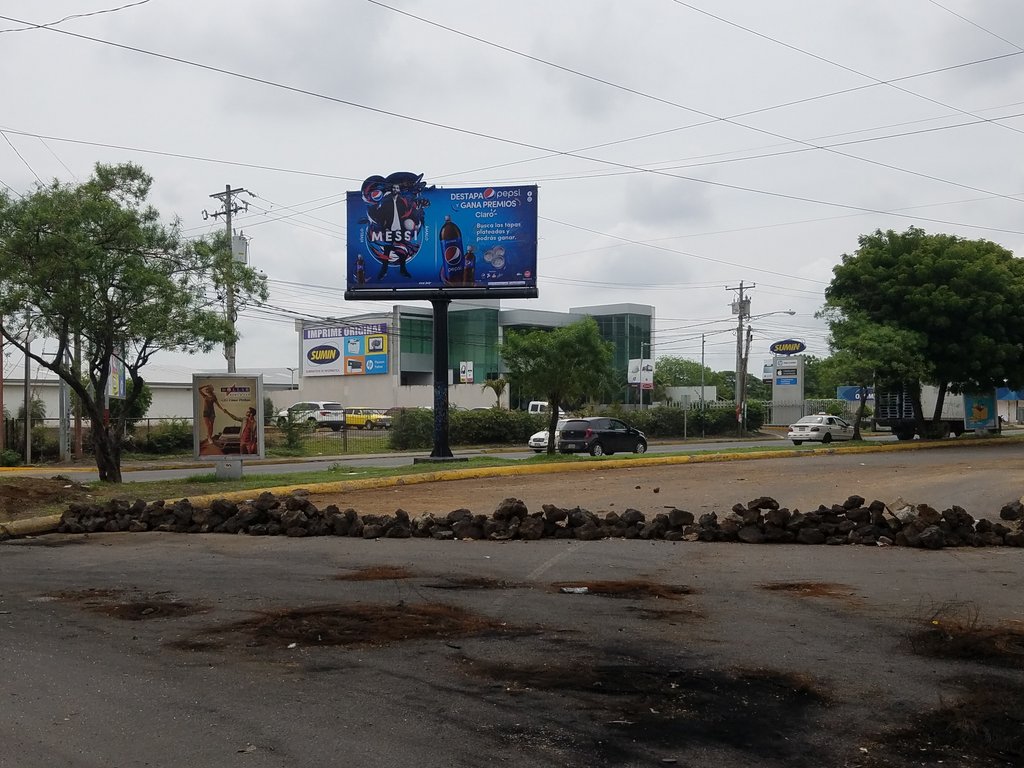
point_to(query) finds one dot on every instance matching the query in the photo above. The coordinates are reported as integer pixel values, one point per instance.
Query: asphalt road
(166, 650)
(387, 460)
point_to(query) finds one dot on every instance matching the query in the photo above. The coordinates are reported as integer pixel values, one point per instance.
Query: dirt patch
(983, 727)
(635, 712)
(111, 602)
(671, 617)
(376, 573)
(352, 625)
(22, 497)
(957, 633)
(637, 589)
(470, 582)
(811, 589)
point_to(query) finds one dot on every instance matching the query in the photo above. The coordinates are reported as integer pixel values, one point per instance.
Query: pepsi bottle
(452, 262)
(469, 276)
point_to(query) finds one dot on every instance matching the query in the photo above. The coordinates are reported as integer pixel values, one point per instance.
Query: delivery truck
(894, 410)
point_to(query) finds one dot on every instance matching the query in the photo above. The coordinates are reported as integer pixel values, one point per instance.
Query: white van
(541, 406)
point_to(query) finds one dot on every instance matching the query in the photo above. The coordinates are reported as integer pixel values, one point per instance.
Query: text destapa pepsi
(453, 263)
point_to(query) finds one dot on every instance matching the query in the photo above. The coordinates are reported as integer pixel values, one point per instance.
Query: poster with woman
(226, 415)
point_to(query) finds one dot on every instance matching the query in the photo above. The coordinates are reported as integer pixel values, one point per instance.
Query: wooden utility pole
(740, 308)
(229, 208)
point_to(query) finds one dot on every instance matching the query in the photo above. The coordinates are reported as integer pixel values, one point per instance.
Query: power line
(490, 137)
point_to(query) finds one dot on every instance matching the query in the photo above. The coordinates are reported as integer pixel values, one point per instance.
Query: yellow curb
(31, 526)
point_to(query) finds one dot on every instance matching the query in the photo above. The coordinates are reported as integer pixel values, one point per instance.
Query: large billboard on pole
(408, 240)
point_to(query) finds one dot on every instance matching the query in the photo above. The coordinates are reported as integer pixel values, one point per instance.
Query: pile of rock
(759, 521)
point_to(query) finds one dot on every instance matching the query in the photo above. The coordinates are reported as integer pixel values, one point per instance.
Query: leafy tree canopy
(565, 365)
(93, 261)
(960, 301)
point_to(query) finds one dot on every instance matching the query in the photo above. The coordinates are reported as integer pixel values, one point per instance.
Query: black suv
(600, 435)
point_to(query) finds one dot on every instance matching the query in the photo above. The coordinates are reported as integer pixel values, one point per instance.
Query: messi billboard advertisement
(410, 240)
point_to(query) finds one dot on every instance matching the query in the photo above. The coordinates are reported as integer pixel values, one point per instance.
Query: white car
(538, 441)
(821, 427)
(316, 413)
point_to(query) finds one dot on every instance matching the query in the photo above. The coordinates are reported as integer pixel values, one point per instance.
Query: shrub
(412, 428)
(172, 436)
(493, 426)
(10, 458)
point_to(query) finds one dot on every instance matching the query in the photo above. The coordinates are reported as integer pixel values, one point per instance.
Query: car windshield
(579, 424)
(331, 407)
(812, 420)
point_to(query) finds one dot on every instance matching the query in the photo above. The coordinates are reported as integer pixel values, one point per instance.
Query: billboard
(227, 416)
(641, 371)
(980, 411)
(410, 240)
(117, 384)
(348, 350)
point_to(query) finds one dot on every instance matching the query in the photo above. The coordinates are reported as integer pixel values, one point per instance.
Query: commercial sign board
(117, 384)
(410, 240)
(347, 350)
(466, 372)
(787, 347)
(227, 416)
(980, 411)
(641, 372)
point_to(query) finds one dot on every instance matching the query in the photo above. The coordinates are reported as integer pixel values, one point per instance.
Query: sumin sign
(350, 350)
(407, 239)
(787, 347)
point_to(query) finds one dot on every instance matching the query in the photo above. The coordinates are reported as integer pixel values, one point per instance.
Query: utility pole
(229, 207)
(740, 308)
(703, 413)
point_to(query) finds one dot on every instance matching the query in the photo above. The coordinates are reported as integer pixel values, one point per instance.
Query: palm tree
(497, 386)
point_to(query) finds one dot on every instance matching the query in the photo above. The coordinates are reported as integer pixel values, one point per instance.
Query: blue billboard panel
(407, 238)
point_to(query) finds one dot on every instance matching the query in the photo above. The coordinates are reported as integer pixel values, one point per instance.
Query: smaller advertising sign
(117, 384)
(466, 372)
(633, 371)
(350, 350)
(227, 419)
(641, 371)
(787, 347)
(980, 412)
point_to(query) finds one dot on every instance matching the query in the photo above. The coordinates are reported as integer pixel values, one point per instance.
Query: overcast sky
(680, 147)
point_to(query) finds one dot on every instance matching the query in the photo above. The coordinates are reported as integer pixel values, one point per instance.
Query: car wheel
(282, 422)
(597, 450)
(798, 442)
(640, 447)
(371, 425)
(335, 427)
(826, 438)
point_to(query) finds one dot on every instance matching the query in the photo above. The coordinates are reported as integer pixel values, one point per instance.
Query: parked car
(319, 413)
(821, 427)
(539, 440)
(541, 407)
(600, 435)
(367, 418)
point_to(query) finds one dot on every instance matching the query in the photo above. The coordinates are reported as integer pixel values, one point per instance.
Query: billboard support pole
(441, 447)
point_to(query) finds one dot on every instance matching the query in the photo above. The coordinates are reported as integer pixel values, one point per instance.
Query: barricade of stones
(759, 521)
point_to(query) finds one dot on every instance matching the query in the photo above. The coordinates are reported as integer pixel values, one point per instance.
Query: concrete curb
(48, 524)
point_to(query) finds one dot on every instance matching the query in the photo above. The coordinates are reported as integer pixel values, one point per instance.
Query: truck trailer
(894, 409)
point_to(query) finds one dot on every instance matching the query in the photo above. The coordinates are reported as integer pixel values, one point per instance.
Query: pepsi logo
(452, 254)
(488, 193)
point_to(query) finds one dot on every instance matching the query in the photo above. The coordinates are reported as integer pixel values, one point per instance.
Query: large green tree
(93, 261)
(961, 299)
(672, 371)
(867, 354)
(565, 365)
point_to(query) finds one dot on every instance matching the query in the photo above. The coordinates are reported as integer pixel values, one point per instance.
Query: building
(385, 359)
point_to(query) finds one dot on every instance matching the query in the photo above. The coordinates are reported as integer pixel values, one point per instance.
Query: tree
(566, 365)
(867, 354)
(497, 386)
(960, 299)
(671, 371)
(93, 261)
